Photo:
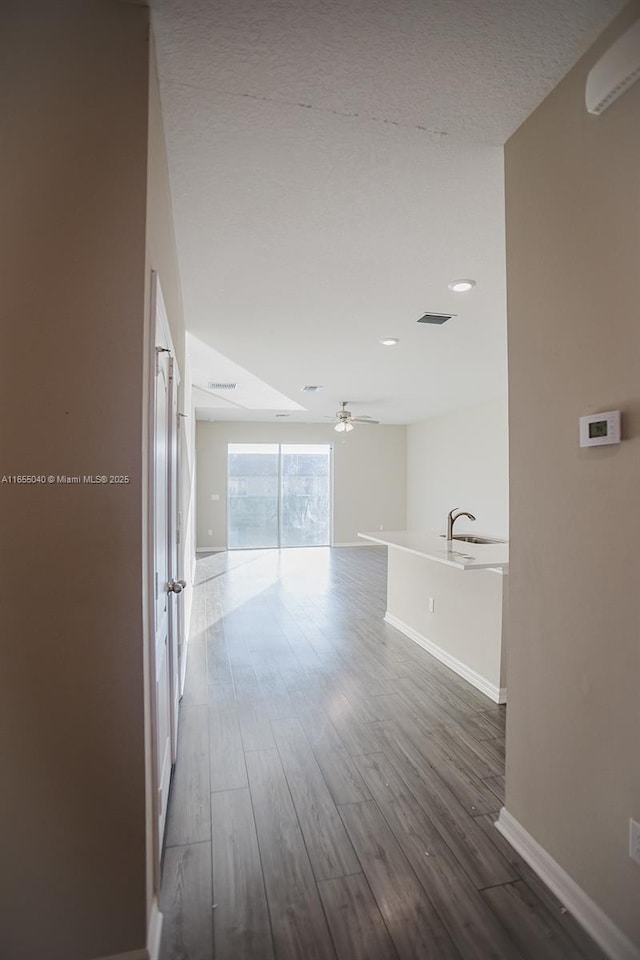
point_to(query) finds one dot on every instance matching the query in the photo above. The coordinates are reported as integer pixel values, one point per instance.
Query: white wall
(460, 460)
(467, 621)
(369, 470)
(161, 256)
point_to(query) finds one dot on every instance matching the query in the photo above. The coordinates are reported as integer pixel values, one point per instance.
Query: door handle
(176, 586)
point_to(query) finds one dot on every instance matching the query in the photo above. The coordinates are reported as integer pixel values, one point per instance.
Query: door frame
(160, 339)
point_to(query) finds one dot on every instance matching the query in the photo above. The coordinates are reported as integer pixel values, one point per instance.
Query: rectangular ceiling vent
(310, 388)
(436, 317)
(213, 385)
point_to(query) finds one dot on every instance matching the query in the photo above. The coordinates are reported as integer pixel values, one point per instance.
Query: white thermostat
(596, 429)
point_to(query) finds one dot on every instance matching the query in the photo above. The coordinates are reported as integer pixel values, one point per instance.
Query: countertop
(457, 553)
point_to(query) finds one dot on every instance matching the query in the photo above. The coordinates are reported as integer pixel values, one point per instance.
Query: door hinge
(160, 350)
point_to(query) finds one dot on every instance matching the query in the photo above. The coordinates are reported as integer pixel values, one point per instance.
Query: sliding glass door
(253, 483)
(278, 495)
(305, 495)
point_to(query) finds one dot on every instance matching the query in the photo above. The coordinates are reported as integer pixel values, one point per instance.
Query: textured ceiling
(334, 165)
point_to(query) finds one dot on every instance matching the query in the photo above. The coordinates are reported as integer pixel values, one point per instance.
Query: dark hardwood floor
(336, 786)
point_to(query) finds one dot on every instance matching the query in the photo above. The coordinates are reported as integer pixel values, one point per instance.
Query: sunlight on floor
(307, 570)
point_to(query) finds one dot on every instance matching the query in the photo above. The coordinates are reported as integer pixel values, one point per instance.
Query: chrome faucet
(452, 516)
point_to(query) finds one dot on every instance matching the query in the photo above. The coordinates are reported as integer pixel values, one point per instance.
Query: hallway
(336, 786)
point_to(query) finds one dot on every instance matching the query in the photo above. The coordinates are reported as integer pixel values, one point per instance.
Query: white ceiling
(334, 165)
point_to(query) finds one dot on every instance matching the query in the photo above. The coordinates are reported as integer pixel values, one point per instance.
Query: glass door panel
(305, 511)
(278, 495)
(253, 483)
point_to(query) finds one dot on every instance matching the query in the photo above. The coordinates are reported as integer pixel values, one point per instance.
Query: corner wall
(74, 80)
(573, 250)
(162, 257)
(369, 472)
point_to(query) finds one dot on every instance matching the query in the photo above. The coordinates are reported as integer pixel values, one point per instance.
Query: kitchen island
(450, 597)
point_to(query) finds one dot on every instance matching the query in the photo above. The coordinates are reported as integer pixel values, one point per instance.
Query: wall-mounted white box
(597, 429)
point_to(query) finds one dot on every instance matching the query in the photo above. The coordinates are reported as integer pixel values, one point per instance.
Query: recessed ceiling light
(461, 286)
(389, 341)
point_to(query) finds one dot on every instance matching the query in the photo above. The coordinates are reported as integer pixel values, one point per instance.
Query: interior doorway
(278, 495)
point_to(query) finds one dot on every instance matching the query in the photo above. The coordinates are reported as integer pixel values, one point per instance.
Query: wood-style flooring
(336, 786)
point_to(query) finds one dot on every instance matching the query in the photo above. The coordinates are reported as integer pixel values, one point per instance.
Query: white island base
(452, 603)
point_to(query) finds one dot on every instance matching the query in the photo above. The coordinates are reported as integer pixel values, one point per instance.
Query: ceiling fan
(345, 420)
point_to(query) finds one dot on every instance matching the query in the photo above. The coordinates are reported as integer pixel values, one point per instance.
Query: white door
(174, 579)
(166, 585)
(162, 602)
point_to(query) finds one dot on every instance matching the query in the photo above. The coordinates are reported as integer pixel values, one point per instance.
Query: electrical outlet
(432, 605)
(210, 532)
(634, 840)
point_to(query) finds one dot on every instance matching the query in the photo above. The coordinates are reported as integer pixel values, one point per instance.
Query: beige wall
(573, 250)
(369, 470)
(461, 459)
(74, 167)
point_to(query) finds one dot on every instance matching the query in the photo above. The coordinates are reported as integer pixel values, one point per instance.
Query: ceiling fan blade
(363, 420)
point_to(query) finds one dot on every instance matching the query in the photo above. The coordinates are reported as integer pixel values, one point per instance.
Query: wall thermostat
(596, 429)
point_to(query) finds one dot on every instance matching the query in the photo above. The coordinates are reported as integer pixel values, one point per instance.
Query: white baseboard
(497, 694)
(210, 549)
(154, 932)
(589, 915)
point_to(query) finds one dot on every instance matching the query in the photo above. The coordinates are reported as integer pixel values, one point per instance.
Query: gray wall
(573, 249)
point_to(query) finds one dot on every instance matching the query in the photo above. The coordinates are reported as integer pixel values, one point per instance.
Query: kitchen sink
(471, 538)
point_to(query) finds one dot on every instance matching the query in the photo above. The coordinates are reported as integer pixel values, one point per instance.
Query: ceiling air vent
(212, 385)
(310, 388)
(283, 414)
(436, 317)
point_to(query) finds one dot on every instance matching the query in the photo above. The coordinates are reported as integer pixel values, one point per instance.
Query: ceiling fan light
(343, 426)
